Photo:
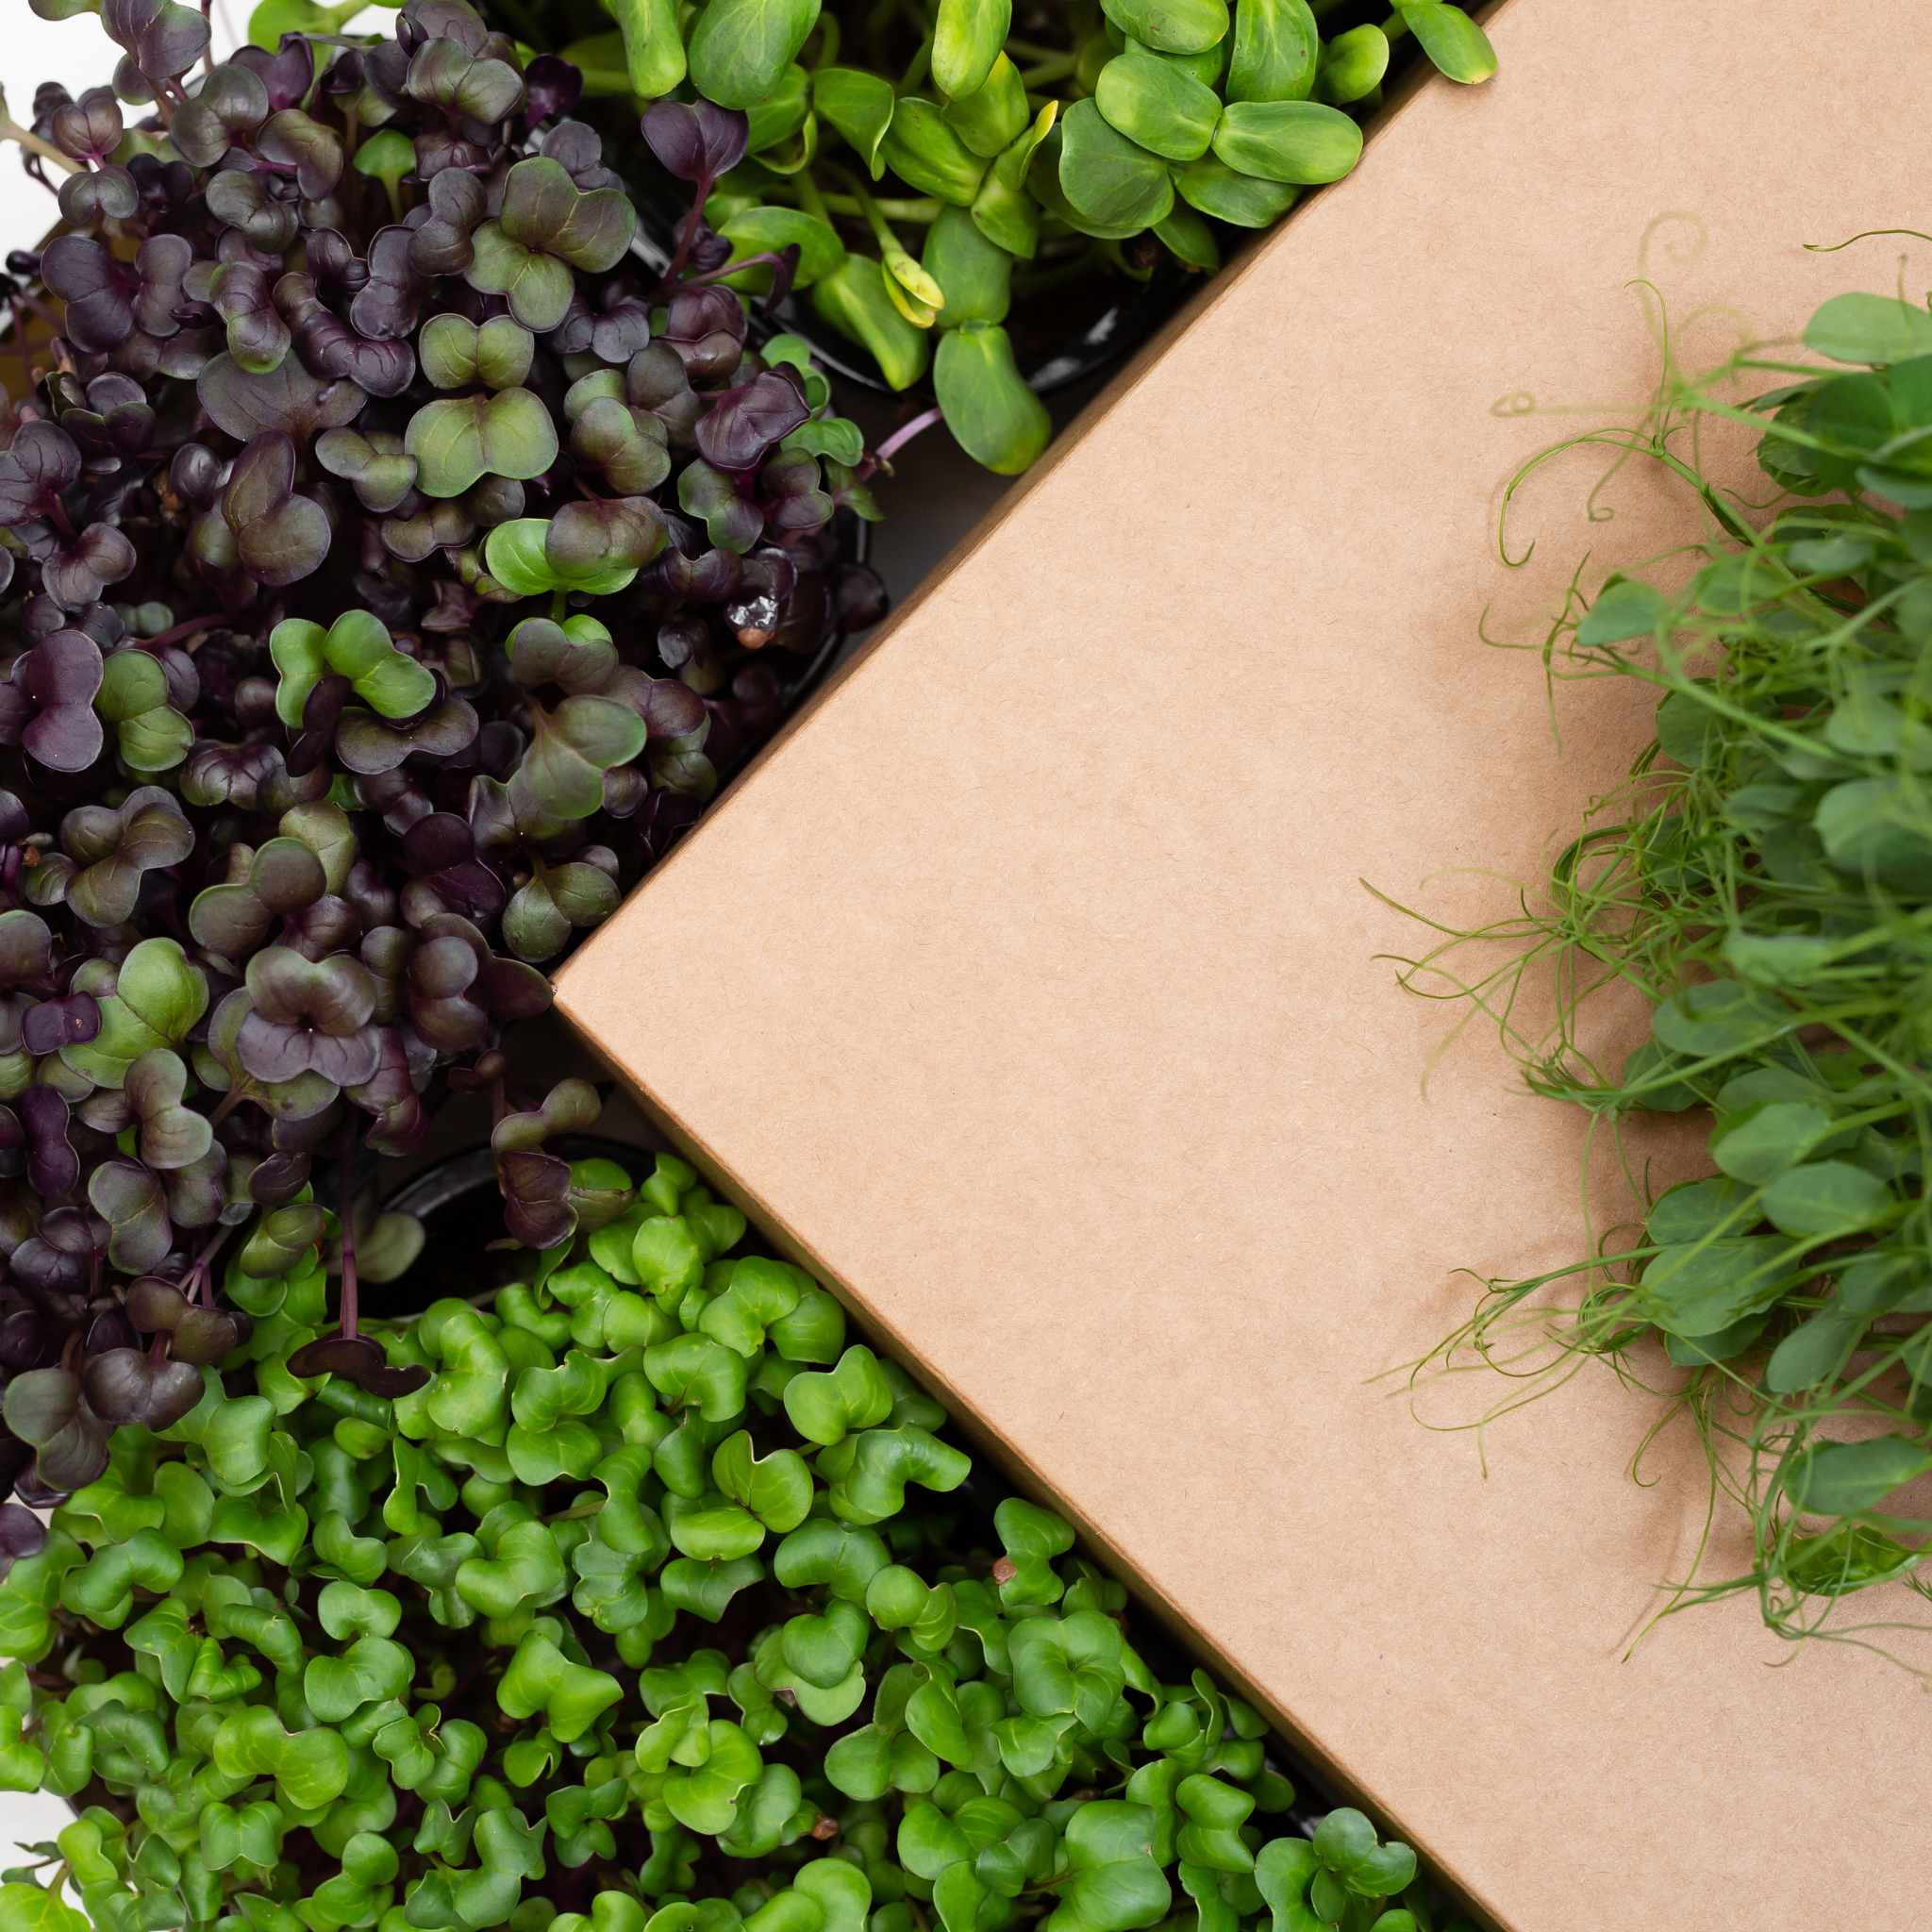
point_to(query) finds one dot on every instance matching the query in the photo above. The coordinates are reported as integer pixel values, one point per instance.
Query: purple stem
(902, 435)
(688, 234)
(733, 268)
(201, 1281)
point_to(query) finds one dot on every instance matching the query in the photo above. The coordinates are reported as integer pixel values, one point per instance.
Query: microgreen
(1074, 142)
(361, 417)
(1763, 881)
(579, 1632)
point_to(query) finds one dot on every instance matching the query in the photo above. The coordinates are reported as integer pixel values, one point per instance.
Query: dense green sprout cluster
(933, 163)
(1765, 880)
(635, 1613)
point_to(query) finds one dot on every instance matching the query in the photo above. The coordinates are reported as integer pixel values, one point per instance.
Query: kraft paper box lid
(1029, 989)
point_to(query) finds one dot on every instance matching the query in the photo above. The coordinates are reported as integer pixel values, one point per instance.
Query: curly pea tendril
(1764, 882)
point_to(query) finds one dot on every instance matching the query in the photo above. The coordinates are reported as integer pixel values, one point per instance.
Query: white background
(79, 55)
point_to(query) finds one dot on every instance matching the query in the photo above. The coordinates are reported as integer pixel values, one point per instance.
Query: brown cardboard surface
(1029, 987)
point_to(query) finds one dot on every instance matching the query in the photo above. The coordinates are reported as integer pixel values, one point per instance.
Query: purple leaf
(54, 1023)
(29, 1340)
(130, 1199)
(385, 308)
(552, 86)
(231, 104)
(77, 575)
(457, 203)
(695, 143)
(98, 291)
(738, 432)
(286, 76)
(163, 38)
(288, 399)
(22, 1533)
(331, 349)
(54, 1170)
(42, 462)
(48, 702)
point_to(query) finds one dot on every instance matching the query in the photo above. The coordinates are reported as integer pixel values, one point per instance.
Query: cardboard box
(1030, 988)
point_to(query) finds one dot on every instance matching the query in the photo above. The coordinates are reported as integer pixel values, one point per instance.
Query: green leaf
(1760, 1142)
(1453, 42)
(921, 148)
(738, 48)
(458, 440)
(766, 230)
(272, 19)
(543, 208)
(779, 115)
(998, 421)
(775, 1489)
(1703, 1287)
(1157, 105)
(835, 437)
(1870, 329)
(1695, 1209)
(356, 646)
(1625, 607)
(853, 299)
(974, 276)
(967, 39)
(1826, 1197)
(1352, 66)
(1848, 1478)
(859, 105)
(1719, 1019)
(571, 1695)
(28, 1909)
(537, 286)
(573, 746)
(1814, 1351)
(1189, 239)
(1276, 46)
(1299, 142)
(996, 114)
(1116, 1885)
(1113, 185)
(653, 47)
(513, 553)
(160, 990)
(1214, 188)
(1878, 828)
(1172, 27)
(706, 1589)
(455, 352)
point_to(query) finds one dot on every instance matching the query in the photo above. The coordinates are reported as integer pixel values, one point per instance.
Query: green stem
(11, 129)
(810, 198)
(920, 213)
(560, 604)
(1032, 50)
(869, 210)
(1057, 68)
(916, 70)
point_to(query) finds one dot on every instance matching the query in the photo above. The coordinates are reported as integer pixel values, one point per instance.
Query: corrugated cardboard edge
(1017, 1467)
(1217, 289)
(1024, 1475)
